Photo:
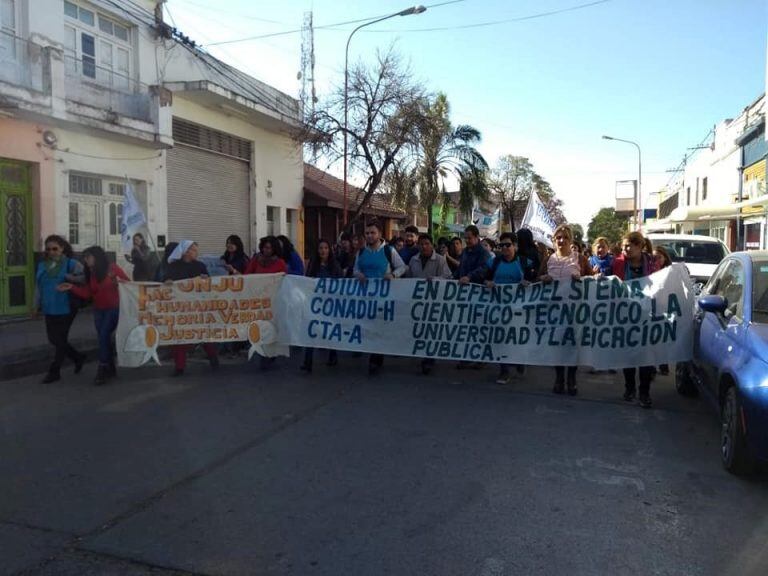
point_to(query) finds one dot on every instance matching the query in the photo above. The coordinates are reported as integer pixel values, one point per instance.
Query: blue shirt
(53, 302)
(406, 253)
(508, 272)
(605, 264)
(295, 264)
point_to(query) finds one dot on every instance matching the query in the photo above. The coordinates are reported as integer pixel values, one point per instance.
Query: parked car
(730, 363)
(700, 254)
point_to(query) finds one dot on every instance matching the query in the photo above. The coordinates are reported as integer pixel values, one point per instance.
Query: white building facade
(92, 95)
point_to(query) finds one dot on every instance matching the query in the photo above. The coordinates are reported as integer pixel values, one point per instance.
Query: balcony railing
(21, 62)
(98, 87)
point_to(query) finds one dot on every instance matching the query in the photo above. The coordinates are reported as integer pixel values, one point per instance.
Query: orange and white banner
(214, 309)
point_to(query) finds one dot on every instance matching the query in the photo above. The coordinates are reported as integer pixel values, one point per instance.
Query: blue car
(730, 361)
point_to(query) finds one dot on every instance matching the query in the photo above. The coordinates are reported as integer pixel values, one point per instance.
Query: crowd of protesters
(64, 284)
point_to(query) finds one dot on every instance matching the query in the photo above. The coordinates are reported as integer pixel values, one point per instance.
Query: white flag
(489, 224)
(538, 220)
(133, 219)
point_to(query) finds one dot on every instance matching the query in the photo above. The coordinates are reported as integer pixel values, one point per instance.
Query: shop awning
(696, 213)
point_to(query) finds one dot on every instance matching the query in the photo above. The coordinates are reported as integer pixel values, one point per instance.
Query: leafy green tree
(512, 180)
(578, 232)
(608, 224)
(443, 152)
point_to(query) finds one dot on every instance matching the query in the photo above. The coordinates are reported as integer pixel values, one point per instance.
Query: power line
(503, 21)
(217, 10)
(326, 26)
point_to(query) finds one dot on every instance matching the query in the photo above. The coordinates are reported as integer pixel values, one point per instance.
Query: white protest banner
(133, 220)
(538, 220)
(220, 309)
(488, 224)
(604, 323)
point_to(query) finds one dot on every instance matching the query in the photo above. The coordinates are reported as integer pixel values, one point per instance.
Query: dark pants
(560, 372)
(646, 375)
(309, 353)
(106, 324)
(376, 360)
(57, 329)
(180, 353)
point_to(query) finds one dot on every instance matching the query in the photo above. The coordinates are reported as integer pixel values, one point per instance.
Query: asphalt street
(278, 472)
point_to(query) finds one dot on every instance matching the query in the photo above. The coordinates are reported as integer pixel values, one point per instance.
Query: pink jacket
(563, 268)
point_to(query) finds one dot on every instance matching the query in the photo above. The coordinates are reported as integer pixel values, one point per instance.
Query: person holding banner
(507, 268)
(563, 265)
(183, 264)
(635, 263)
(473, 265)
(428, 264)
(101, 286)
(377, 260)
(323, 264)
(474, 259)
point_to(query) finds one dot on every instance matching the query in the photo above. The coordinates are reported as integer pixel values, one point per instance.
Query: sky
(658, 72)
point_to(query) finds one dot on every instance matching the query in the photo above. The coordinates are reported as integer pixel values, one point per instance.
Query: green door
(16, 262)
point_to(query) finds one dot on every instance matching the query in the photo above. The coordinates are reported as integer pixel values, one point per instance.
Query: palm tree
(444, 151)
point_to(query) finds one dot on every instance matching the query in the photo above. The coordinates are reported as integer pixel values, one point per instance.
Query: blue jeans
(106, 323)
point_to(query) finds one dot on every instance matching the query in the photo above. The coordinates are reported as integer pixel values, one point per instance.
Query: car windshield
(760, 292)
(692, 251)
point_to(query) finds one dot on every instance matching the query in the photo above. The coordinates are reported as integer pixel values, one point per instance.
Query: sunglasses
(505, 244)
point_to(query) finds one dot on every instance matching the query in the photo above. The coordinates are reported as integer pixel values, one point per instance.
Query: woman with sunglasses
(563, 265)
(58, 267)
(507, 268)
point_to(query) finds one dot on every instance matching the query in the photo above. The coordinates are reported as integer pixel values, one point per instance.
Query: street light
(407, 12)
(639, 199)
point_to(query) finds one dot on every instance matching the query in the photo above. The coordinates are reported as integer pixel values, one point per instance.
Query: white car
(700, 254)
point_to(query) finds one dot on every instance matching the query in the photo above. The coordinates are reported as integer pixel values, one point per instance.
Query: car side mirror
(713, 303)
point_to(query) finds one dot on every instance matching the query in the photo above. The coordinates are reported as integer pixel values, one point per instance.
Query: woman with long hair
(563, 265)
(57, 267)
(292, 258)
(322, 264)
(234, 257)
(101, 286)
(526, 247)
(634, 263)
(143, 259)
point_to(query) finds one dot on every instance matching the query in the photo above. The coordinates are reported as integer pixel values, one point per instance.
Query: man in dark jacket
(474, 259)
(473, 267)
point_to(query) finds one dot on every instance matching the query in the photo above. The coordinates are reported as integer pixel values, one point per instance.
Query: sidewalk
(24, 347)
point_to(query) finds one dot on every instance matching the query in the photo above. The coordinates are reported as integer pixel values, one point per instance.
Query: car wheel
(735, 453)
(684, 383)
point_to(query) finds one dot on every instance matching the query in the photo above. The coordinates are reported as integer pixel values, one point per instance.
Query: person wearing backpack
(507, 268)
(101, 286)
(58, 267)
(377, 260)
